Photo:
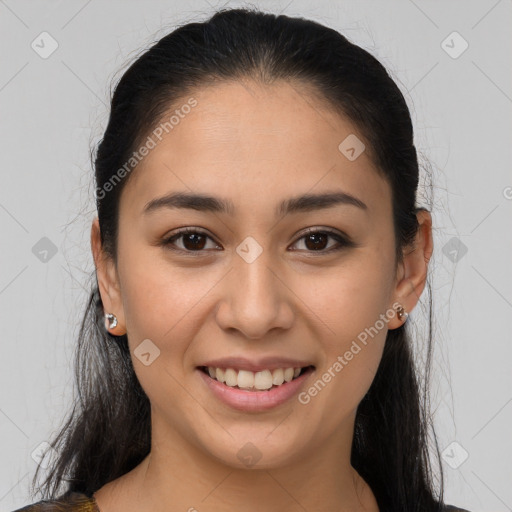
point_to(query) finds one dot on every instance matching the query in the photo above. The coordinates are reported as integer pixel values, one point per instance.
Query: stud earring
(402, 314)
(110, 321)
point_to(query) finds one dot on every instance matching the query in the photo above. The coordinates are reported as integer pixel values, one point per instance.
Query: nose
(255, 298)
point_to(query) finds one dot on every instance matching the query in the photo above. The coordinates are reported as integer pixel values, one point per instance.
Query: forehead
(256, 144)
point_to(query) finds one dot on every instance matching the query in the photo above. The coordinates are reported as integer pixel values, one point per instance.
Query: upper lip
(256, 365)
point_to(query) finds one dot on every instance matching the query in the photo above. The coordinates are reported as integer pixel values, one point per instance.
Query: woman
(258, 248)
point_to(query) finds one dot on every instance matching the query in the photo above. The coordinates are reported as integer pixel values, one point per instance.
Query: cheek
(351, 305)
(349, 298)
(352, 350)
(162, 301)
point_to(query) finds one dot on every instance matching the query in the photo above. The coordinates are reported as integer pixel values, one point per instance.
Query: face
(255, 287)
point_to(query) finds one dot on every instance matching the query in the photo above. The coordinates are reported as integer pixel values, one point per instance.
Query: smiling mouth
(264, 380)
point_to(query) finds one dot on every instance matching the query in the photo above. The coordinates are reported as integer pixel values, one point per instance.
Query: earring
(402, 314)
(110, 321)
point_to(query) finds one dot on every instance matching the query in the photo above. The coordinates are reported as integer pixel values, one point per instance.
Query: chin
(254, 448)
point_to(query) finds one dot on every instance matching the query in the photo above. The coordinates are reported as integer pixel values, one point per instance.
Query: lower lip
(255, 401)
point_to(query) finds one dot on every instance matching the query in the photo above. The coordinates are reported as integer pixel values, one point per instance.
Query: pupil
(312, 237)
(193, 236)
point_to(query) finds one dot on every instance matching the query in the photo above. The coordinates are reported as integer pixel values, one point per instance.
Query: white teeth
(245, 379)
(263, 380)
(231, 378)
(278, 377)
(288, 374)
(219, 374)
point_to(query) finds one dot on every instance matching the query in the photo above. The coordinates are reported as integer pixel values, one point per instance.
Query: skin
(256, 145)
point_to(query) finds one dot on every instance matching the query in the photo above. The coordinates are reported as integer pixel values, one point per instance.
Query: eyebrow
(206, 203)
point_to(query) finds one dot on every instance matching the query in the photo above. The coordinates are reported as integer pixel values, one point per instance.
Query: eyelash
(343, 242)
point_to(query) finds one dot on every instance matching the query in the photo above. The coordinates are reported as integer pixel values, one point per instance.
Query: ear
(412, 272)
(108, 281)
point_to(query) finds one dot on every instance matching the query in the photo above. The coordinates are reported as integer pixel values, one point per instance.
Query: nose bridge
(253, 272)
(255, 301)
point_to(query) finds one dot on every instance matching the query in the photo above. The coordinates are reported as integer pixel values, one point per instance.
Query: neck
(178, 475)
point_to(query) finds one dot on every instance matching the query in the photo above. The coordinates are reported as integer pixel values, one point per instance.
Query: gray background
(53, 108)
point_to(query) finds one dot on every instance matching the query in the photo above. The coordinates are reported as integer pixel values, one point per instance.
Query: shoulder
(69, 502)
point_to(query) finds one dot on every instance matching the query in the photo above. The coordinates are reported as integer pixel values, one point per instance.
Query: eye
(195, 240)
(315, 240)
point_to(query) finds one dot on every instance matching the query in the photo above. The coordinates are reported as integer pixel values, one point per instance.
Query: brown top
(79, 502)
(69, 502)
